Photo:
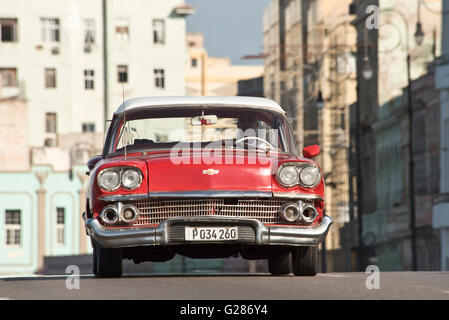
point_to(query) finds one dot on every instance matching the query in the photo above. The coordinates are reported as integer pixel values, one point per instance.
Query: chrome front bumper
(171, 232)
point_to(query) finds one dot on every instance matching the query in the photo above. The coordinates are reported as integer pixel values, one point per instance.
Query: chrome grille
(156, 210)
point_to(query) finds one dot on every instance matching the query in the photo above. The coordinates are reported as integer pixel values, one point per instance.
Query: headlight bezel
(317, 180)
(278, 175)
(119, 170)
(102, 186)
(299, 166)
(139, 178)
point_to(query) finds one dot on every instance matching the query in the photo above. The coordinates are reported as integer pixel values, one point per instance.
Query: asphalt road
(392, 285)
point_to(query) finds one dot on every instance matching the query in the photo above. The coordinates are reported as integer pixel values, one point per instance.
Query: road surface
(392, 285)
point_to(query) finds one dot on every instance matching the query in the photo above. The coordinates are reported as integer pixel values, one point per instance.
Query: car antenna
(124, 118)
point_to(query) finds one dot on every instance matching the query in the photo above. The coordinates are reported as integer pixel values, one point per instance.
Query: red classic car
(204, 177)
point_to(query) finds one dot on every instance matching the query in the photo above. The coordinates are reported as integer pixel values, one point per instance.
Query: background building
(250, 87)
(441, 203)
(331, 73)
(14, 151)
(73, 70)
(213, 76)
(42, 193)
(65, 67)
(388, 232)
(392, 45)
(310, 71)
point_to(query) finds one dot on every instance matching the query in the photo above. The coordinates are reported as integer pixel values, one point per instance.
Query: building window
(13, 227)
(8, 30)
(60, 226)
(50, 78)
(50, 30)
(194, 63)
(89, 31)
(50, 142)
(50, 122)
(159, 78)
(273, 88)
(158, 31)
(88, 127)
(346, 63)
(9, 77)
(122, 29)
(89, 79)
(122, 72)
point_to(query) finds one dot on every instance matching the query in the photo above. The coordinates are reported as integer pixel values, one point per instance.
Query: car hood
(223, 172)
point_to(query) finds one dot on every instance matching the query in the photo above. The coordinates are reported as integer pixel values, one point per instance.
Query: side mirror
(92, 162)
(311, 151)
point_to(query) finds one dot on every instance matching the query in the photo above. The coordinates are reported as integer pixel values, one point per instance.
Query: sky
(231, 28)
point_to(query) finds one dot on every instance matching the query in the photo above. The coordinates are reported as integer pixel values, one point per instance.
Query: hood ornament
(210, 172)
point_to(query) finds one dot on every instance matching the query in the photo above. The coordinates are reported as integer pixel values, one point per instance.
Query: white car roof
(232, 101)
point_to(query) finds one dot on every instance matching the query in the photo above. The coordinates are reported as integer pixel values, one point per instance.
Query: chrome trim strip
(211, 194)
(305, 236)
(120, 237)
(293, 195)
(121, 197)
(278, 235)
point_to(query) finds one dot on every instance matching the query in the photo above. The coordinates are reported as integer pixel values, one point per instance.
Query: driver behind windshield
(248, 125)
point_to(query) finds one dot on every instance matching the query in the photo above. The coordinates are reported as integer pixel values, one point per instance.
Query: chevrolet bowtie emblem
(210, 172)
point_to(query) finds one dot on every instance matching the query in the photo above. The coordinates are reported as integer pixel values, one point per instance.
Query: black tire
(107, 262)
(305, 261)
(280, 265)
(94, 267)
(94, 260)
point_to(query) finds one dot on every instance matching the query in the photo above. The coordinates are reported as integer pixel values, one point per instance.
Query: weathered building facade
(74, 60)
(310, 71)
(387, 232)
(379, 139)
(441, 203)
(213, 76)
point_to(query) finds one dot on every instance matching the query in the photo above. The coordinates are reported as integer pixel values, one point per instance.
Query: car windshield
(201, 128)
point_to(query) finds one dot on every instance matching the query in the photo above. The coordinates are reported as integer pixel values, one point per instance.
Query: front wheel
(280, 265)
(305, 261)
(107, 262)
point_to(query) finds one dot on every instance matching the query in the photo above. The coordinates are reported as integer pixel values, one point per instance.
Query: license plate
(211, 233)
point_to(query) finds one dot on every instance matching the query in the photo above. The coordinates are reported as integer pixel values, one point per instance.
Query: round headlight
(288, 176)
(309, 176)
(131, 178)
(109, 180)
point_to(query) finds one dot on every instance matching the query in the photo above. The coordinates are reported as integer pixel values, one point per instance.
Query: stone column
(41, 218)
(204, 74)
(82, 203)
